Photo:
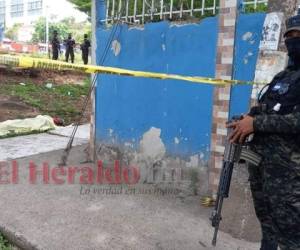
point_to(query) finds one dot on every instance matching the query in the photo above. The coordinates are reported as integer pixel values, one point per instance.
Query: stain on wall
(161, 123)
(132, 106)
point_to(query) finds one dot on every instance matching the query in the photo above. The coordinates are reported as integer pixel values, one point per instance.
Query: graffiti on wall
(271, 32)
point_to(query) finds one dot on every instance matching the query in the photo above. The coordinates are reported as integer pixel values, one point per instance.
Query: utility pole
(47, 29)
(47, 35)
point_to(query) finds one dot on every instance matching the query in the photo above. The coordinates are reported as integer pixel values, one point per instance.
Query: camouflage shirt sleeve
(274, 123)
(254, 111)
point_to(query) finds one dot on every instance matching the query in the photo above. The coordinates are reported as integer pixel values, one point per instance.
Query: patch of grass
(72, 90)
(194, 177)
(63, 100)
(4, 244)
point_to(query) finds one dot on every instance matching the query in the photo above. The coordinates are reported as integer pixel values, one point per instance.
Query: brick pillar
(224, 69)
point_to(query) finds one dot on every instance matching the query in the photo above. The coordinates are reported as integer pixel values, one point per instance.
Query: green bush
(4, 244)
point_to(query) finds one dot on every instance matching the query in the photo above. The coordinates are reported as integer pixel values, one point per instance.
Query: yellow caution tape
(38, 63)
(207, 201)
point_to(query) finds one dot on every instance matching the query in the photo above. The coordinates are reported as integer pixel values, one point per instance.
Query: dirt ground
(8, 75)
(12, 107)
(15, 106)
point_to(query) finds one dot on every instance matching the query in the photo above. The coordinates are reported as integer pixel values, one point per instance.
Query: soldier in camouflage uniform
(275, 123)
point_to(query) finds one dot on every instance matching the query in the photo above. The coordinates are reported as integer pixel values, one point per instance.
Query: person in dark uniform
(70, 44)
(85, 46)
(55, 46)
(275, 123)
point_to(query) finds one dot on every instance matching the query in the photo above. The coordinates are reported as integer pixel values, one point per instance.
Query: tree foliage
(12, 33)
(63, 28)
(83, 5)
(39, 34)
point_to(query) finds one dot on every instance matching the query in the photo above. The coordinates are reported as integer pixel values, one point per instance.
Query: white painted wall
(56, 9)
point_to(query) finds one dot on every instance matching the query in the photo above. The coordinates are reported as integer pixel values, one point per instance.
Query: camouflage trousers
(276, 195)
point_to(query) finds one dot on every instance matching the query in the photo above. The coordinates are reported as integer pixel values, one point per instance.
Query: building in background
(27, 12)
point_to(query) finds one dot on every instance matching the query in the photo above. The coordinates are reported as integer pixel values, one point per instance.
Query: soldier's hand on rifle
(241, 129)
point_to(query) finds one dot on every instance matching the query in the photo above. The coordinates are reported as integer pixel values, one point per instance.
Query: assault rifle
(233, 154)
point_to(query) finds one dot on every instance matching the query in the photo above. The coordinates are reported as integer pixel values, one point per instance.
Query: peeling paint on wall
(136, 28)
(116, 47)
(152, 145)
(124, 103)
(247, 36)
(271, 62)
(171, 119)
(128, 145)
(246, 58)
(180, 25)
(194, 161)
(158, 168)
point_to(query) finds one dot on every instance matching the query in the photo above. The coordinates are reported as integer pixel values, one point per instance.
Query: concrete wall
(248, 35)
(181, 112)
(166, 123)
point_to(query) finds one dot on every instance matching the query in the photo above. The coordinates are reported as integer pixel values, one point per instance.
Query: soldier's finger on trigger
(230, 125)
(234, 132)
(236, 136)
(242, 138)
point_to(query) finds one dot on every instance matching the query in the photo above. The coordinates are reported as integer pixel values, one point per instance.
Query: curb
(16, 239)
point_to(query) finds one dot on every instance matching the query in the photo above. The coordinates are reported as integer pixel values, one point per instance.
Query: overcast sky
(63, 8)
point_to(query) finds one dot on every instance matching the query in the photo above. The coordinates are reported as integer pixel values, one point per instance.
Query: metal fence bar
(134, 9)
(127, 10)
(171, 9)
(113, 9)
(120, 8)
(181, 8)
(215, 6)
(255, 2)
(152, 9)
(159, 9)
(143, 12)
(107, 11)
(192, 7)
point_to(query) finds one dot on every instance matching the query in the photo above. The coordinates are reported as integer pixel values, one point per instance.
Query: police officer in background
(85, 46)
(55, 46)
(70, 44)
(275, 123)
